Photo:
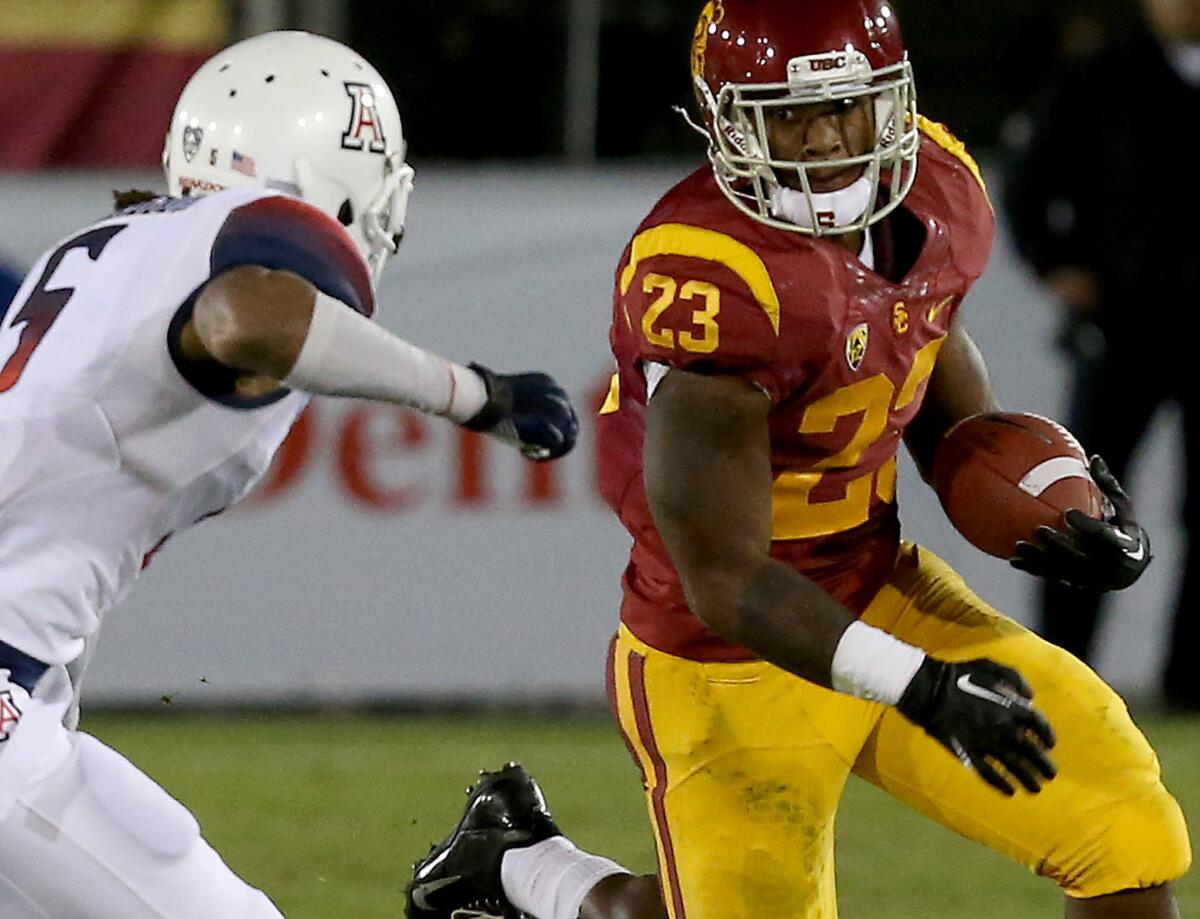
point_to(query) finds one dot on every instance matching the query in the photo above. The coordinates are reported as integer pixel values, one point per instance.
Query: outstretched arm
(277, 325)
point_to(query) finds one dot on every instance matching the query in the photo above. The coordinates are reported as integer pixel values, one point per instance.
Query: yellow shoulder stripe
(697, 242)
(940, 135)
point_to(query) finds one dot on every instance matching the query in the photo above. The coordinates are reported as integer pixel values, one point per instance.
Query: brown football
(1002, 475)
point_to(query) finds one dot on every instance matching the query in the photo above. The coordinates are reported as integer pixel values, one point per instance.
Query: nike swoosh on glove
(1087, 553)
(983, 713)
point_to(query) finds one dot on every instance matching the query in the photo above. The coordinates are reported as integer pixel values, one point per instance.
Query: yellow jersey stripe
(921, 370)
(940, 135)
(697, 242)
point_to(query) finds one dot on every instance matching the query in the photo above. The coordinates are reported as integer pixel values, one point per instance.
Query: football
(1002, 475)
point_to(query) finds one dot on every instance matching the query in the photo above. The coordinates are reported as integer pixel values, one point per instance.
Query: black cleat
(460, 877)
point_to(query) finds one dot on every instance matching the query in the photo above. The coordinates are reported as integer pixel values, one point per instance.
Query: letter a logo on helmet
(365, 123)
(306, 116)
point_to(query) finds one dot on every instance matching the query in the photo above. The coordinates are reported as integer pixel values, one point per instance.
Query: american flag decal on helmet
(239, 162)
(365, 131)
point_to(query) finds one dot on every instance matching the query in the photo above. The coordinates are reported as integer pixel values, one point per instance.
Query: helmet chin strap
(822, 211)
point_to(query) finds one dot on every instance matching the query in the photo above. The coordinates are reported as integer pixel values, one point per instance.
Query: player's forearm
(261, 321)
(345, 354)
(787, 619)
(778, 614)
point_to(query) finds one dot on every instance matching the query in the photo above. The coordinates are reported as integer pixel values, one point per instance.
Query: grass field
(326, 813)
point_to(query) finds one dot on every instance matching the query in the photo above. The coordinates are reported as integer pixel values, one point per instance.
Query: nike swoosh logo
(1134, 549)
(422, 891)
(961, 752)
(972, 688)
(936, 309)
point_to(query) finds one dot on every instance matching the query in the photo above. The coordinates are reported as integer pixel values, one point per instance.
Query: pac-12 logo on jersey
(856, 345)
(365, 130)
(9, 714)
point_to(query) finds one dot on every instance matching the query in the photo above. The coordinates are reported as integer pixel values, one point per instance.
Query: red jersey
(843, 351)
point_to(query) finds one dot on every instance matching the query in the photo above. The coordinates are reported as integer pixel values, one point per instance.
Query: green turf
(325, 813)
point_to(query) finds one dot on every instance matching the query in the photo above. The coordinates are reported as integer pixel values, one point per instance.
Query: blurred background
(391, 561)
(388, 555)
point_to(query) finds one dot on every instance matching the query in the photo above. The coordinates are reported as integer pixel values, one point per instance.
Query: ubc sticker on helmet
(856, 345)
(9, 714)
(365, 130)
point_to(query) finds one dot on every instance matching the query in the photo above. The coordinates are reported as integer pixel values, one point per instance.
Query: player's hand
(1087, 553)
(983, 713)
(528, 410)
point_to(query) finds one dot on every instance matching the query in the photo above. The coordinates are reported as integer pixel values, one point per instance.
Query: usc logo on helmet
(712, 14)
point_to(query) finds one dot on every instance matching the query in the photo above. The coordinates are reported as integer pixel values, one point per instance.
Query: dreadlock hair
(130, 197)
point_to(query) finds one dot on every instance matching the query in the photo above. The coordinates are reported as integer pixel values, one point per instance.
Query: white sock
(549, 880)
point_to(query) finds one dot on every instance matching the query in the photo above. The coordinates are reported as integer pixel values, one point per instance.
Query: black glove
(1091, 554)
(528, 410)
(981, 711)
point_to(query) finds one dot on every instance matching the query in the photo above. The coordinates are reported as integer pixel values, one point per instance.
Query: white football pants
(84, 834)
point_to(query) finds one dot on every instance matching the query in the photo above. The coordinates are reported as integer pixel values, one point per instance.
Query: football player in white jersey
(150, 366)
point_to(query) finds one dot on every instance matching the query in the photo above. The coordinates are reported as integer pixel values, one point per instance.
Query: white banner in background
(388, 555)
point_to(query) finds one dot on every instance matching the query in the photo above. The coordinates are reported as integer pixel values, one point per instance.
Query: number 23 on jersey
(698, 332)
(707, 335)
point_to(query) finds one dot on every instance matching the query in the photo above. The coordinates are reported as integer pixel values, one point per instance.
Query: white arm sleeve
(345, 354)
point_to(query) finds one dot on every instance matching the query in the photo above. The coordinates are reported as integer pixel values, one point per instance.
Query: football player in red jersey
(782, 319)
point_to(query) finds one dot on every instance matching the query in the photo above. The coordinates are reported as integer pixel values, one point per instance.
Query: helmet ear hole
(345, 214)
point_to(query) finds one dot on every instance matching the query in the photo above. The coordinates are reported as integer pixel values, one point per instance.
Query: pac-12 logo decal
(856, 345)
(365, 130)
(9, 714)
(192, 138)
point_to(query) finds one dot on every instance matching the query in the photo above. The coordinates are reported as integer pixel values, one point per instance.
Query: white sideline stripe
(1047, 473)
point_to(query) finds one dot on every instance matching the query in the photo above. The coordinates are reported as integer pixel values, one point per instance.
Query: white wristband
(871, 664)
(345, 354)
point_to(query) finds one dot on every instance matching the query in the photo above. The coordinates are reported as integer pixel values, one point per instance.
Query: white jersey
(105, 448)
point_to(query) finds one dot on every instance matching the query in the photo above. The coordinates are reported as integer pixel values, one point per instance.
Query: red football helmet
(751, 55)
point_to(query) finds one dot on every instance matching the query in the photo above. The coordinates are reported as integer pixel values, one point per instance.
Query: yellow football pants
(743, 765)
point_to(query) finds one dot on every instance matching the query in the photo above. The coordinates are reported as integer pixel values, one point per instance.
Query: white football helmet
(303, 114)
